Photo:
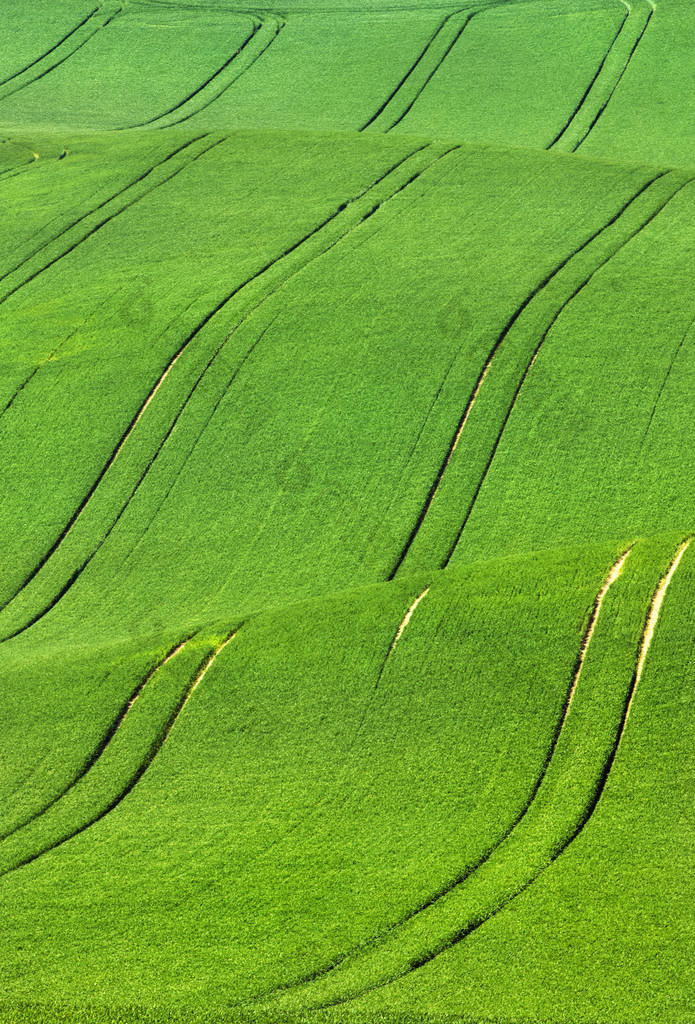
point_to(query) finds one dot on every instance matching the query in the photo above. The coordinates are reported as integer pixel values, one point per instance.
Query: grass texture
(346, 512)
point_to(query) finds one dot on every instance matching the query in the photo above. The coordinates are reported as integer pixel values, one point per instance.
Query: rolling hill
(346, 507)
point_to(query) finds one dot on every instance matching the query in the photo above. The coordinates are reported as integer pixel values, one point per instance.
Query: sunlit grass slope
(346, 497)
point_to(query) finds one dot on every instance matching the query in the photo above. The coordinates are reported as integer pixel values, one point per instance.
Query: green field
(347, 599)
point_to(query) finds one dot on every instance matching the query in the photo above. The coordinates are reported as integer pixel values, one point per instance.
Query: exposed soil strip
(104, 743)
(99, 19)
(444, 946)
(488, 363)
(156, 746)
(197, 680)
(344, 206)
(407, 618)
(650, 626)
(389, 932)
(536, 352)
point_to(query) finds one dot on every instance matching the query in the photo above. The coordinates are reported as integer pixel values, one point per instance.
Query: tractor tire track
(99, 19)
(667, 376)
(17, 392)
(391, 931)
(51, 263)
(372, 540)
(104, 743)
(575, 139)
(48, 359)
(266, 297)
(575, 292)
(585, 100)
(27, 278)
(151, 754)
(215, 406)
(593, 801)
(263, 34)
(182, 348)
(329, 794)
(536, 291)
(51, 49)
(396, 106)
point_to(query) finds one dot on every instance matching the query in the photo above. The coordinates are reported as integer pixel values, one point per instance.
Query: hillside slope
(345, 427)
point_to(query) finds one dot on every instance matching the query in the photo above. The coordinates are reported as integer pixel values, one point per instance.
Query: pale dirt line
(161, 664)
(202, 672)
(459, 432)
(467, 413)
(139, 416)
(608, 583)
(652, 619)
(406, 618)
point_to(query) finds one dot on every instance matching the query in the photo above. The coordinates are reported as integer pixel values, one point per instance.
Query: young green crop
(346, 512)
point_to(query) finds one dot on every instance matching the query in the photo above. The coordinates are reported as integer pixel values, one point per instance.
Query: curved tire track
(537, 350)
(603, 776)
(371, 945)
(508, 327)
(667, 376)
(99, 19)
(351, 225)
(89, 229)
(104, 743)
(607, 78)
(153, 749)
(411, 86)
(266, 28)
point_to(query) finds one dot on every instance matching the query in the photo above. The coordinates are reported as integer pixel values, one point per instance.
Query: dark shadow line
(47, 53)
(493, 352)
(537, 349)
(617, 83)
(591, 84)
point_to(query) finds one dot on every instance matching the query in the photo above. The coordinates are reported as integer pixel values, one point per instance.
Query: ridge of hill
(346, 512)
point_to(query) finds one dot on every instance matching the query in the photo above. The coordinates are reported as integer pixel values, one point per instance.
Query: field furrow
(570, 785)
(608, 77)
(345, 219)
(131, 746)
(100, 18)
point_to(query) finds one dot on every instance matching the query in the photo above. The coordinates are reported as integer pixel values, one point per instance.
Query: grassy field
(346, 505)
